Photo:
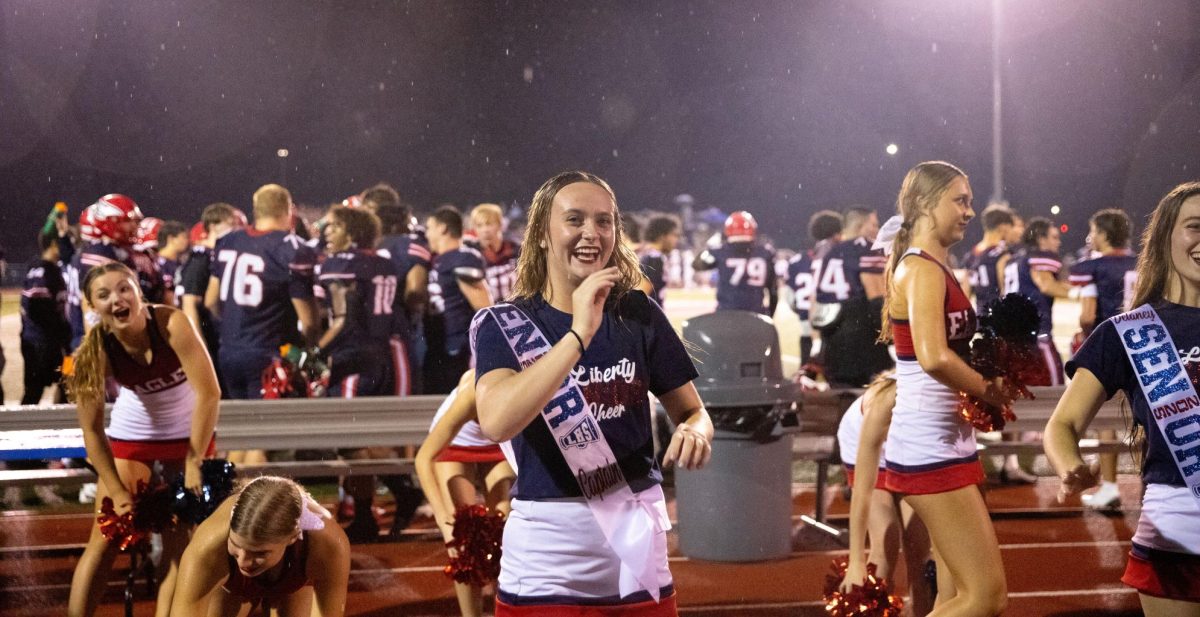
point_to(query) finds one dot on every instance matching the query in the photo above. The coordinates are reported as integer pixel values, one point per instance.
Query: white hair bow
(887, 233)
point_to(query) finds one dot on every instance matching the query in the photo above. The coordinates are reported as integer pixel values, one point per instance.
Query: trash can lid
(742, 394)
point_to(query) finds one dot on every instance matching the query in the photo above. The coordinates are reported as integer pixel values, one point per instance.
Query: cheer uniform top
(980, 264)
(930, 449)
(469, 445)
(1168, 531)
(155, 402)
(253, 589)
(1109, 279)
(848, 435)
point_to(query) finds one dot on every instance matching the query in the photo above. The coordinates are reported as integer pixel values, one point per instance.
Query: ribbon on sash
(1173, 401)
(628, 522)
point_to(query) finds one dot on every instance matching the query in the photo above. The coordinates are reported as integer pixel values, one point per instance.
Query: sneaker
(47, 495)
(87, 493)
(1108, 497)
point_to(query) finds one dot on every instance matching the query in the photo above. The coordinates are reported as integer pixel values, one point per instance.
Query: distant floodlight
(892, 149)
(282, 153)
(1055, 209)
(1063, 228)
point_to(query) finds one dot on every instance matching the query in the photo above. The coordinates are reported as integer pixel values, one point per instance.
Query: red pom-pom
(477, 536)
(1007, 348)
(871, 599)
(150, 513)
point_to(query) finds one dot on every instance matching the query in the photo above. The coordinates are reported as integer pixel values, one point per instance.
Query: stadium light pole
(997, 124)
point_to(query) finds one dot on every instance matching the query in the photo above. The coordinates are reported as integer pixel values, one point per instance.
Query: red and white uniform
(469, 445)
(930, 449)
(848, 435)
(152, 416)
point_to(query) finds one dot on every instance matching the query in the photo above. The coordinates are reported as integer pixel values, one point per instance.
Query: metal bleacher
(323, 424)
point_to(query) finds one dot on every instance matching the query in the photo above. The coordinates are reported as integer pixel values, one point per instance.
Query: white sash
(1174, 404)
(628, 522)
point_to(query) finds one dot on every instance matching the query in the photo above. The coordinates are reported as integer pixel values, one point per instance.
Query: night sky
(780, 108)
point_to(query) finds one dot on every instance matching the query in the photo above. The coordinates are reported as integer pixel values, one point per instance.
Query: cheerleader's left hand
(193, 479)
(688, 448)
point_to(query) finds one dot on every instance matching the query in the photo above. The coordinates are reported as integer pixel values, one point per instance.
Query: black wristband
(582, 348)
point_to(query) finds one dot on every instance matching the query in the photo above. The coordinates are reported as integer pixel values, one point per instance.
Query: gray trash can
(738, 508)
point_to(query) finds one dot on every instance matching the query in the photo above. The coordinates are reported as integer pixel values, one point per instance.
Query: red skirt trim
(880, 479)
(649, 608)
(471, 454)
(156, 450)
(940, 480)
(1174, 576)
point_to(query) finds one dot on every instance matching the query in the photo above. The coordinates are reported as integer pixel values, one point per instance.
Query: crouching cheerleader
(268, 545)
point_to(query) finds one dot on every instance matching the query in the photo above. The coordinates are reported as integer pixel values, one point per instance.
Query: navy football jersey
(802, 282)
(842, 268)
(371, 298)
(1113, 276)
(981, 268)
(745, 271)
(192, 280)
(654, 268)
(449, 315)
(501, 268)
(1018, 278)
(170, 269)
(634, 351)
(406, 251)
(90, 256)
(150, 277)
(44, 305)
(1104, 356)
(259, 274)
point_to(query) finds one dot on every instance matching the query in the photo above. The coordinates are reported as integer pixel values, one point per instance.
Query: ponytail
(87, 380)
(900, 246)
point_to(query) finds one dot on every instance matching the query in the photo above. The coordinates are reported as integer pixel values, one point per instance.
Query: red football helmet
(112, 214)
(87, 226)
(147, 232)
(740, 227)
(198, 233)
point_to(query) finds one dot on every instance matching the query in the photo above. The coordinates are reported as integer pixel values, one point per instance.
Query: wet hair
(272, 201)
(920, 191)
(361, 225)
(451, 218)
(86, 382)
(659, 226)
(854, 219)
(996, 215)
(381, 194)
(532, 274)
(267, 509)
(214, 214)
(1036, 228)
(1154, 266)
(1115, 225)
(824, 225)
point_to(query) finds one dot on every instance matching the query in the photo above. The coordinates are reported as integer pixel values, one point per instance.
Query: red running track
(1059, 561)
